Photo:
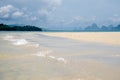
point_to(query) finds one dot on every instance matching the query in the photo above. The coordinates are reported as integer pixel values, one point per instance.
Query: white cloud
(33, 18)
(43, 12)
(17, 14)
(5, 16)
(78, 18)
(9, 11)
(50, 6)
(115, 19)
(6, 9)
(54, 2)
(24, 10)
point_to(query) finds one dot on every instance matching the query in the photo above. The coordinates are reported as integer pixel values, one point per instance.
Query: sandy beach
(59, 56)
(111, 38)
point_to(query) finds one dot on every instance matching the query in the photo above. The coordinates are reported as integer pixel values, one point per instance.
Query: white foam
(117, 55)
(33, 45)
(15, 41)
(48, 51)
(61, 59)
(19, 42)
(58, 59)
(52, 57)
(36, 45)
(40, 54)
(8, 37)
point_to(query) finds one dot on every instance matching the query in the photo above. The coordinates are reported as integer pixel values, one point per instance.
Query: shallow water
(35, 56)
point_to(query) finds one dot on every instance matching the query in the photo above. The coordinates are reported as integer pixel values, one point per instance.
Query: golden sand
(112, 38)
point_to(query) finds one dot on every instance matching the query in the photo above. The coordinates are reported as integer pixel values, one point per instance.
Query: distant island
(4, 27)
(91, 28)
(94, 27)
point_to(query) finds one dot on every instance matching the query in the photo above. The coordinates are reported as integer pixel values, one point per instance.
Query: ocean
(59, 55)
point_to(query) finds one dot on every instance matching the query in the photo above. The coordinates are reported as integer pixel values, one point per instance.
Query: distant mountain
(117, 28)
(93, 27)
(4, 27)
(104, 28)
(90, 28)
(110, 28)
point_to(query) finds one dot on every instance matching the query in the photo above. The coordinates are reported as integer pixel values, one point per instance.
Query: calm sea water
(34, 56)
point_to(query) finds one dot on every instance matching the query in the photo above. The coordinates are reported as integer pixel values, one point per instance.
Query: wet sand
(34, 56)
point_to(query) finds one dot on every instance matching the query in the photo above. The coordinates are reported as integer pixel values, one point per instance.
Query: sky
(60, 13)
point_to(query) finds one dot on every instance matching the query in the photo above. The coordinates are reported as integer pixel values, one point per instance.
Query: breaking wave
(46, 55)
(20, 42)
(16, 41)
(8, 37)
(44, 52)
(117, 55)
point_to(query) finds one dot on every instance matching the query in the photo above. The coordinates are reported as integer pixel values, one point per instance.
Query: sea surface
(38, 56)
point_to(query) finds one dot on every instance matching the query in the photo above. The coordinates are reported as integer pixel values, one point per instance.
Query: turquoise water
(34, 56)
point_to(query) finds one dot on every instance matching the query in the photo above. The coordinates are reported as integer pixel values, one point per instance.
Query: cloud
(49, 7)
(5, 11)
(116, 15)
(78, 18)
(24, 10)
(12, 13)
(34, 18)
(6, 8)
(44, 12)
(5, 16)
(17, 14)
(114, 19)
(54, 2)
(9, 11)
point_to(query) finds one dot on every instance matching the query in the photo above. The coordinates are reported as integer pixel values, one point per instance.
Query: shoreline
(111, 38)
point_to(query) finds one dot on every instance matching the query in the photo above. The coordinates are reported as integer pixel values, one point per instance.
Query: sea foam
(40, 54)
(117, 55)
(15, 41)
(8, 37)
(19, 42)
(58, 59)
(61, 59)
(45, 55)
(52, 57)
